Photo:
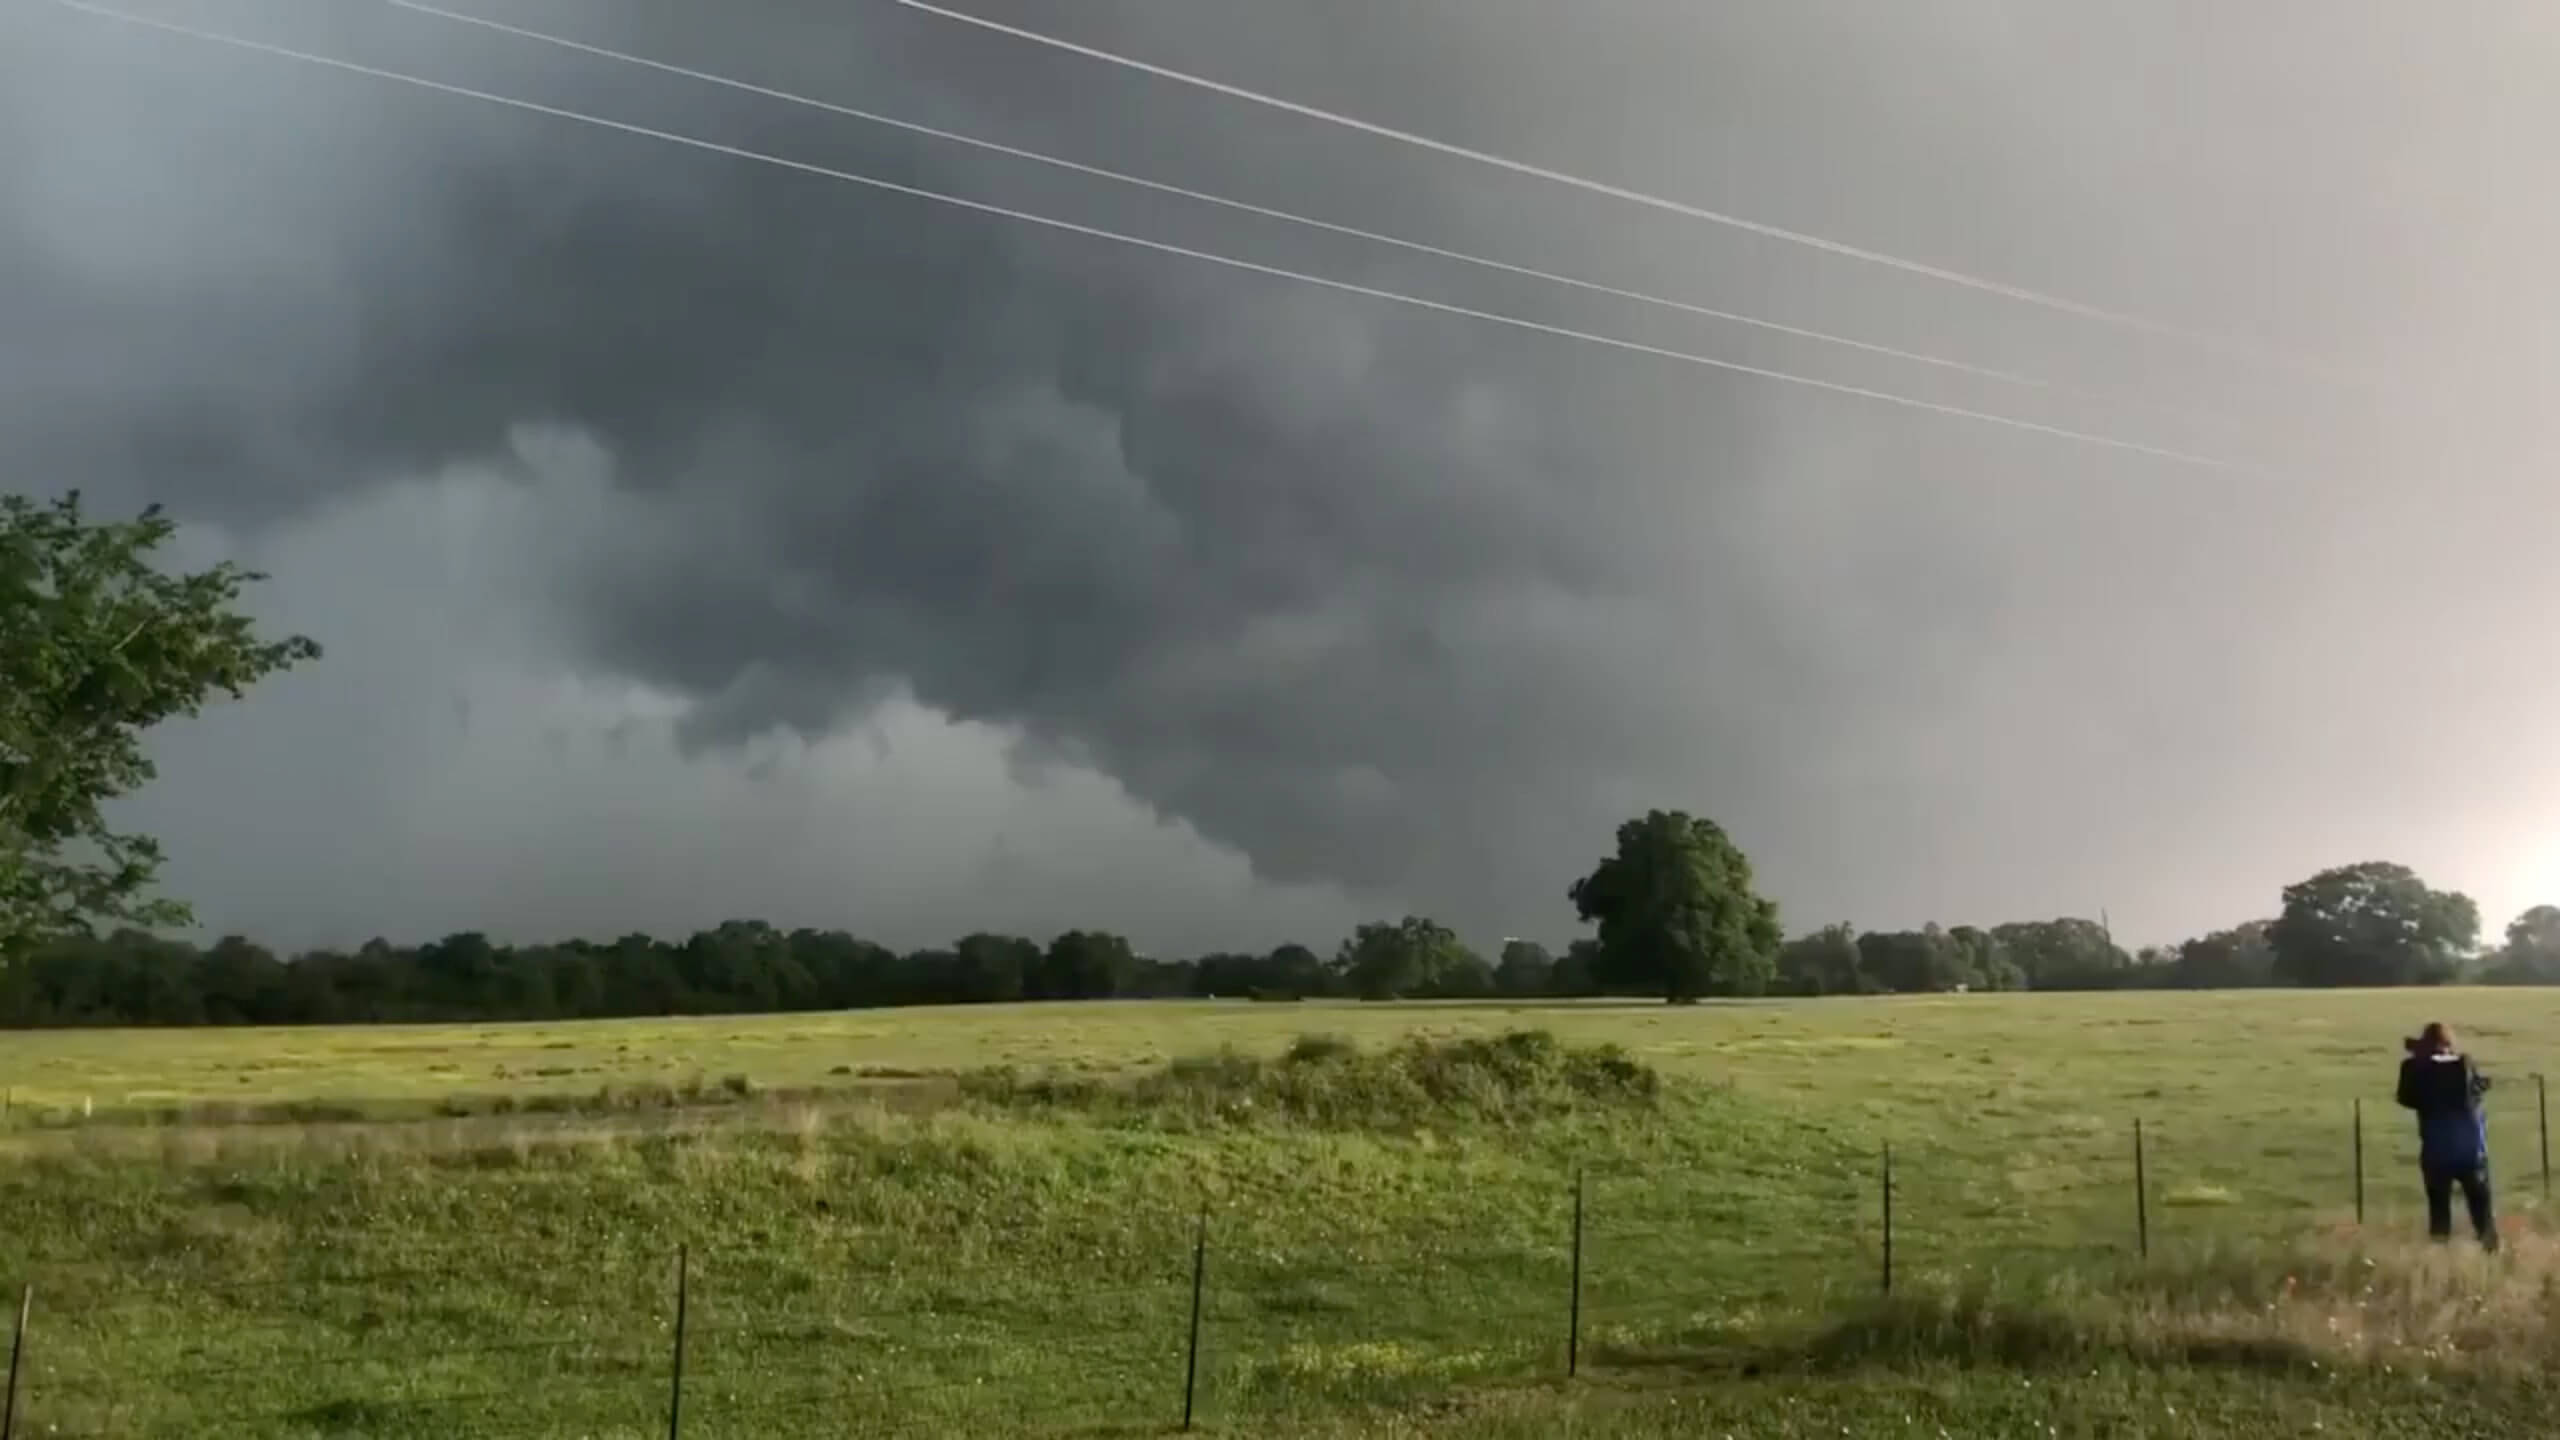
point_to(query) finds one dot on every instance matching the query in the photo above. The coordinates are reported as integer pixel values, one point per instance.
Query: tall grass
(2324, 1302)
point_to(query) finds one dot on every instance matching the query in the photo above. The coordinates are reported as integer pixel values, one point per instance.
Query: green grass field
(459, 1239)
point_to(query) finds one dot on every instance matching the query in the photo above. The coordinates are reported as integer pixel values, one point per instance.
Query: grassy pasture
(2220, 1055)
(862, 1264)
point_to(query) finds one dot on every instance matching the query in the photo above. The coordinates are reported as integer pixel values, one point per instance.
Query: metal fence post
(1573, 1332)
(2542, 1112)
(2359, 1160)
(17, 1356)
(1888, 1217)
(675, 1384)
(2141, 1194)
(1199, 1281)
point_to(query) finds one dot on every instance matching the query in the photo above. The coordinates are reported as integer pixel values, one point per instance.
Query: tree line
(2375, 924)
(132, 977)
(98, 646)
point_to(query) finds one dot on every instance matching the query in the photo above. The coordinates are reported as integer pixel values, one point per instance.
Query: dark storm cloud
(1382, 598)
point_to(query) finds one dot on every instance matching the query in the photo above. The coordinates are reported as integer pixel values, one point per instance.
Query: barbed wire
(769, 1332)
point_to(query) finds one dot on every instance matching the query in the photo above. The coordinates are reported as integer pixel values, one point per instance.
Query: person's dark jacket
(2445, 1088)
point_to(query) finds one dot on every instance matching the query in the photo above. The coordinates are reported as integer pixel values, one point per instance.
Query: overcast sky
(695, 539)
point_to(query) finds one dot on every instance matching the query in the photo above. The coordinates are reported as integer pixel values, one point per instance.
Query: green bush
(1326, 1082)
(1314, 1049)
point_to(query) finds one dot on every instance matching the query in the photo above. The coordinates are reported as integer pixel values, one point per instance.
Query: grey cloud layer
(1377, 598)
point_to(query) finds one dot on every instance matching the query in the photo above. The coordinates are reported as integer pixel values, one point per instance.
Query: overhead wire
(1269, 212)
(2114, 442)
(2236, 347)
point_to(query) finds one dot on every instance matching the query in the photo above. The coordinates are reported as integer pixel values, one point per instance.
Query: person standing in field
(2441, 1084)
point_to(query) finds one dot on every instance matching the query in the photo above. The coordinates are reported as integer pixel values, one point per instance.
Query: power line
(2111, 442)
(2238, 348)
(1987, 372)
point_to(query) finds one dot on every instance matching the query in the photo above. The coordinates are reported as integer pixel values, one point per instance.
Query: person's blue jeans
(2474, 1180)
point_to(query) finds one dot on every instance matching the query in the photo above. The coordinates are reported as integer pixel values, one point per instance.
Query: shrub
(1326, 1082)
(1316, 1049)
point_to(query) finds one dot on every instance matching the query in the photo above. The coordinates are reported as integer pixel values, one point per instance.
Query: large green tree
(2239, 957)
(98, 644)
(1412, 956)
(2066, 954)
(2531, 955)
(1577, 969)
(1927, 961)
(1825, 962)
(2373, 923)
(1296, 970)
(1677, 911)
(1986, 963)
(1526, 968)
(1085, 965)
(994, 969)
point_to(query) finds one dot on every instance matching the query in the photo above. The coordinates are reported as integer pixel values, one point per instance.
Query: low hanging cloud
(1391, 607)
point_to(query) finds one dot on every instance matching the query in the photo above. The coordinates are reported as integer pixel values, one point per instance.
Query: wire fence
(1216, 1318)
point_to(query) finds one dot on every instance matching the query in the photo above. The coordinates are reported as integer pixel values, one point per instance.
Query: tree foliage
(1985, 963)
(2531, 954)
(97, 646)
(1291, 972)
(1840, 960)
(1412, 957)
(2238, 958)
(1084, 963)
(131, 977)
(1913, 962)
(1677, 911)
(995, 969)
(1578, 969)
(1824, 962)
(1525, 969)
(2069, 953)
(2373, 923)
